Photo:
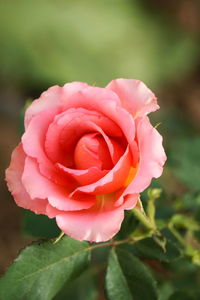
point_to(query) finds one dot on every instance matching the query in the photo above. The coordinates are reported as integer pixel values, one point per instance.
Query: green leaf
(39, 225)
(41, 269)
(128, 278)
(149, 248)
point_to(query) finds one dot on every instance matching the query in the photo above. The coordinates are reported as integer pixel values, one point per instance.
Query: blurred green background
(53, 42)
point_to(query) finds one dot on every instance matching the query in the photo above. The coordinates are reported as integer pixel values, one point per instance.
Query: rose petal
(64, 132)
(97, 224)
(152, 156)
(48, 100)
(115, 150)
(91, 225)
(33, 143)
(84, 177)
(113, 180)
(130, 201)
(135, 96)
(52, 212)
(77, 128)
(52, 99)
(58, 196)
(15, 186)
(92, 151)
(107, 102)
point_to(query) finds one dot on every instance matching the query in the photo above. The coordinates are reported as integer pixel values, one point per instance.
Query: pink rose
(86, 154)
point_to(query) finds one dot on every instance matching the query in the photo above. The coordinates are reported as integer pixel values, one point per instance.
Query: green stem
(146, 222)
(59, 237)
(151, 211)
(188, 249)
(153, 194)
(114, 243)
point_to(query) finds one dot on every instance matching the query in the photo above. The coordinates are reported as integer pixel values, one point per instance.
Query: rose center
(92, 151)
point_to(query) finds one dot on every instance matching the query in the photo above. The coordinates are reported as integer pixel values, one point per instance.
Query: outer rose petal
(97, 224)
(135, 96)
(57, 195)
(52, 99)
(34, 137)
(13, 178)
(152, 156)
(48, 100)
(33, 144)
(91, 225)
(130, 201)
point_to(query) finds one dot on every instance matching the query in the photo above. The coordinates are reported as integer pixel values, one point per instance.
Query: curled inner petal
(113, 180)
(91, 150)
(68, 127)
(84, 177)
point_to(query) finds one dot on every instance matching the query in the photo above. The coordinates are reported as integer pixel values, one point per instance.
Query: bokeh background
(43, 43)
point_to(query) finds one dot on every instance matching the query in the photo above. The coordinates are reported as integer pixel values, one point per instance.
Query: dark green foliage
(149, 248)
(128, 226)
(127, 278)
(41, 269)
(39, 225)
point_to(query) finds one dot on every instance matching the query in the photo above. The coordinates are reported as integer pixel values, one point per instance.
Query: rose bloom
(86, 154)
